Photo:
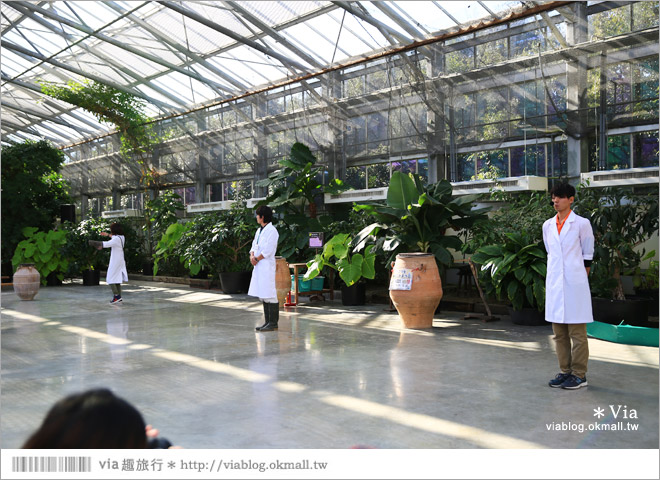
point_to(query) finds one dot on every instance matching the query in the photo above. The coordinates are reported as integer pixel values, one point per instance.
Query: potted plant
(44, 250)
(32, 192)
(84, 259)
(412, 227)
(516, 270)
(232, 235)
(416, 218)
(352, 267)
(622, 220)
(293, 192)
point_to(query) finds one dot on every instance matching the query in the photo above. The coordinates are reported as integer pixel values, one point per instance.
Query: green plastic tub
(621, 333)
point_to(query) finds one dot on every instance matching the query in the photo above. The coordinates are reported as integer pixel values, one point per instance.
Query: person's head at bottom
(92, 419)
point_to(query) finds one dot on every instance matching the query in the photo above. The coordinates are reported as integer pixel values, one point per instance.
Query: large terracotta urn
(419, 273)
(26, 281)
(282, 279)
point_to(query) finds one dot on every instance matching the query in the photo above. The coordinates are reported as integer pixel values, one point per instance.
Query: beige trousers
(572, 359)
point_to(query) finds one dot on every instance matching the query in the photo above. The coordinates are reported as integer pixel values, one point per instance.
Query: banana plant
(515, 269)
(351, 267)
(416, 218)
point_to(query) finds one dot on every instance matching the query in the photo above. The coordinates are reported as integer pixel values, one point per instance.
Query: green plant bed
(627, 334)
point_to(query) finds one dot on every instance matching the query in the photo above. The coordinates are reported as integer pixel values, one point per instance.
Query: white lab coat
(567, 293)
(262, 284)
(117, 269)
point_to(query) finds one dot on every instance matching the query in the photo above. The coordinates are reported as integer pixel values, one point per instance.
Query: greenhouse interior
(371, 127)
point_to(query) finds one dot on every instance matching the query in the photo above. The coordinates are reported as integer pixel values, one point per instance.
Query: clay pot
(417, 305)
(282, 279)
(26, 281)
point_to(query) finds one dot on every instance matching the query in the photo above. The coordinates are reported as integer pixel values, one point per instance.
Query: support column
(439, 165)
(576, 97)
(84, 190)
(260, 151)
(202, 162)
(335, 154)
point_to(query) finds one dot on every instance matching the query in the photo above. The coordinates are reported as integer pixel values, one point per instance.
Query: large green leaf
(30, 248)
(402, 191)
(350, 272)
(512, 289)
(46, 256)
(29, 231)
(42, 245)
(539, 293)
(442, 254)
(540, 268)
(314, 267)
(529, 293)
(368, 266)
(491, 250)
(301, 155)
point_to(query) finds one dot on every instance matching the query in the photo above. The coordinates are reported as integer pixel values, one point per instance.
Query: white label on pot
(401, 279)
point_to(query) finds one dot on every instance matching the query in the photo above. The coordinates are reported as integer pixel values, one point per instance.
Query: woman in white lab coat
(569, 241)
(262, 256)
(117, 268)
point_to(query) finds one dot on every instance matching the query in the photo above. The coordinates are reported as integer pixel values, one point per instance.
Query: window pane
(356, 177)
(646, 149)
(215, 192)
(466, 164)
(378, 175)
(618, 152)
(459, 61)
(528, 161)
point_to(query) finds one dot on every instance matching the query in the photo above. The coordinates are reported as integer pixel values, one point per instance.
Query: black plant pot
(528, 316)
(148, 269)
(52, 280)
(356, 294)
(652, 295)
(202, 274)
(235, 282)
(91, 278)
(633, 311)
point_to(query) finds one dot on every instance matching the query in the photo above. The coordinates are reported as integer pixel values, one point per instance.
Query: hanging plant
(120, 109)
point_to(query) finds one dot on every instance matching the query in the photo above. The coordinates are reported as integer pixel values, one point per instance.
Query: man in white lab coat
(262, 256)
(569, 241)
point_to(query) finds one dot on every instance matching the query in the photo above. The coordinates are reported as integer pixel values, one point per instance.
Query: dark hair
(266, 212)
(116, 229)
(92, 419)
(563, 190)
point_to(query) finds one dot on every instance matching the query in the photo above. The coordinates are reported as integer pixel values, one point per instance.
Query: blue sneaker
(558, 380)
(115, 299)
(574, 382)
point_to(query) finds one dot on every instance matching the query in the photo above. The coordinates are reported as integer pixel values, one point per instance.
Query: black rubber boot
(273, 317)
(266, 316)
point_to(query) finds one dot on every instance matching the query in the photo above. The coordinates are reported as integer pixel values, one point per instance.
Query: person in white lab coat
(569, 241)
(262, 257)
(117, 268)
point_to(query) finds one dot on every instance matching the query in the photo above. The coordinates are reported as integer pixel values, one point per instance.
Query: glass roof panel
(318, 30)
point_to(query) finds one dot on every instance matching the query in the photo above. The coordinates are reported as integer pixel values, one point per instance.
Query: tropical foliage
(77, 250)
(515, 269)
(109, 105)
(622, 220)
(416, 218)
(32, 190)
(44, 250)
(351, 267)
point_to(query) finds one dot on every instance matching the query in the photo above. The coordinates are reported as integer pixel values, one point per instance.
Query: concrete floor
(331, 377)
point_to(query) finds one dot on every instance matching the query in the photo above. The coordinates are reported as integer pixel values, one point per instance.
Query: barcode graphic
(51, 464)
